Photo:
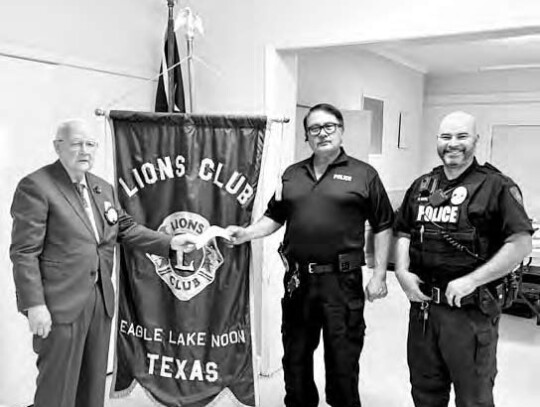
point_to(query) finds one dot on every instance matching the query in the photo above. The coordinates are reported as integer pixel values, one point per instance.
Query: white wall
(120, 37)
(494, 98)
(280, 100)
(230, 78)
(341, 76)
(237, 32)
(315, 23)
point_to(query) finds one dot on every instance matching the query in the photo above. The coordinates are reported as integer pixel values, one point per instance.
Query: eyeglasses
(77, 145)
(329, 128)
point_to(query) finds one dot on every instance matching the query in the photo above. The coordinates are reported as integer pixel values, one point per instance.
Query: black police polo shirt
(326, 217)
(496, 210)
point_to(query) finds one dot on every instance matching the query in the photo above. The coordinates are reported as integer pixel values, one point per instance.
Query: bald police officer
(325, 203)
(461, 229)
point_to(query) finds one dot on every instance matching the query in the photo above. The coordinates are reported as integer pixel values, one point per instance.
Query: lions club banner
(184, 329)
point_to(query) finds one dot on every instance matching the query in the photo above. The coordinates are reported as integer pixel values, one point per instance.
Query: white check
(211, 233)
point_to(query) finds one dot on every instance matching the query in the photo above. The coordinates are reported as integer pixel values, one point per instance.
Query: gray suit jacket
(54, 251)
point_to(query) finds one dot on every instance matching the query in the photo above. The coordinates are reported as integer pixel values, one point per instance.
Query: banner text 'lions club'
(164, 168)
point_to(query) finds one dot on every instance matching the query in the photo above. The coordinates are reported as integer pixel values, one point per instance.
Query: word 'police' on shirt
(445, 214)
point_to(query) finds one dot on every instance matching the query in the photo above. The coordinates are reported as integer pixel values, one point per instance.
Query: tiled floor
(384, 374)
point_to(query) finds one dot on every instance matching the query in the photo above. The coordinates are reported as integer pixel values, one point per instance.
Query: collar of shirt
(461, 177)
(342, 158)
(82, 182)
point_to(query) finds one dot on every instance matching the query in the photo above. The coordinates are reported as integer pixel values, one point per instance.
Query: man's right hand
(39, 320)
(239, 234)
(410, 283)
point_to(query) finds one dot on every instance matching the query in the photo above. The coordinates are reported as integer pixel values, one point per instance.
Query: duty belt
(346, 262)
(314, 268)
(438, 296)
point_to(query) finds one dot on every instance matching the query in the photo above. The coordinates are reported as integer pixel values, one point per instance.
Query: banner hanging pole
(105, 113)
(170, 54)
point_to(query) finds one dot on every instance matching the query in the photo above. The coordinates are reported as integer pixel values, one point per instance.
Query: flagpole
(190, 71)
(170, 54)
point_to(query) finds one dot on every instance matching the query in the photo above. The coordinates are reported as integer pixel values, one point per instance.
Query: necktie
(81, 189)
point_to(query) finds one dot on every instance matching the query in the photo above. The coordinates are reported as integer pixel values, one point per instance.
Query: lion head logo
(190, 273)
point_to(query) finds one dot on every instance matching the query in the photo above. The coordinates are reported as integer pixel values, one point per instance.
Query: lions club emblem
(190, 273)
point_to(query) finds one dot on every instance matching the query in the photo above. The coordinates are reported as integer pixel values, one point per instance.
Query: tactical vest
(444, 244)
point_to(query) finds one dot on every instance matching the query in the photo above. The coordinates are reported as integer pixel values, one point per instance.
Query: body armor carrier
(444, 244)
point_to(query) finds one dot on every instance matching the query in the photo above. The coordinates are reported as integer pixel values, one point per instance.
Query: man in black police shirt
(461, 228)
(325, 201)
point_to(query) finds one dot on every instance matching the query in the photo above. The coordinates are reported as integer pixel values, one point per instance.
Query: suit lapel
(64, 184)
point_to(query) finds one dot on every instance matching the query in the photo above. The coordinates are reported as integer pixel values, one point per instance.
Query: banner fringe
(118, 394)
(225, 395)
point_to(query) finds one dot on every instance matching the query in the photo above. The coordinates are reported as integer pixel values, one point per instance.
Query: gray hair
(72, 126)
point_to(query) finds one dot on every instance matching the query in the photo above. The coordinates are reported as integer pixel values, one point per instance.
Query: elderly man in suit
(66, 222)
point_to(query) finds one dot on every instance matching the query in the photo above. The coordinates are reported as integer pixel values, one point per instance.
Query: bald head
(456, 142)
(76, 147)
(458, 121)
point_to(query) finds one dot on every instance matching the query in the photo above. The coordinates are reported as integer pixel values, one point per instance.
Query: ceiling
(453, 55)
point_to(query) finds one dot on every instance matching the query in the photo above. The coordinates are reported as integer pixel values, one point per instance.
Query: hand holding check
(188, 242)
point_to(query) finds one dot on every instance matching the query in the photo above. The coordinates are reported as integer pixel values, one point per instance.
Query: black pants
(459, 346)
(333, 302)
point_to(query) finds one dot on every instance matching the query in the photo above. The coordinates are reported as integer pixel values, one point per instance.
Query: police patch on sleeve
(515, 192)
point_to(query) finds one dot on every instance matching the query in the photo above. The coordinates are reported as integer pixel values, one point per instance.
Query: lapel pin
(111, 215)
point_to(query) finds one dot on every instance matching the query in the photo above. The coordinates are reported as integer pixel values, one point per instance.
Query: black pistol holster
(498, 295)
(506, 289)
(487, 302)
(291, 279)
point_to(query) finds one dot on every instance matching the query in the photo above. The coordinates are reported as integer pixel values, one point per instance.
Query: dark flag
(162, 100)
(184, 326)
